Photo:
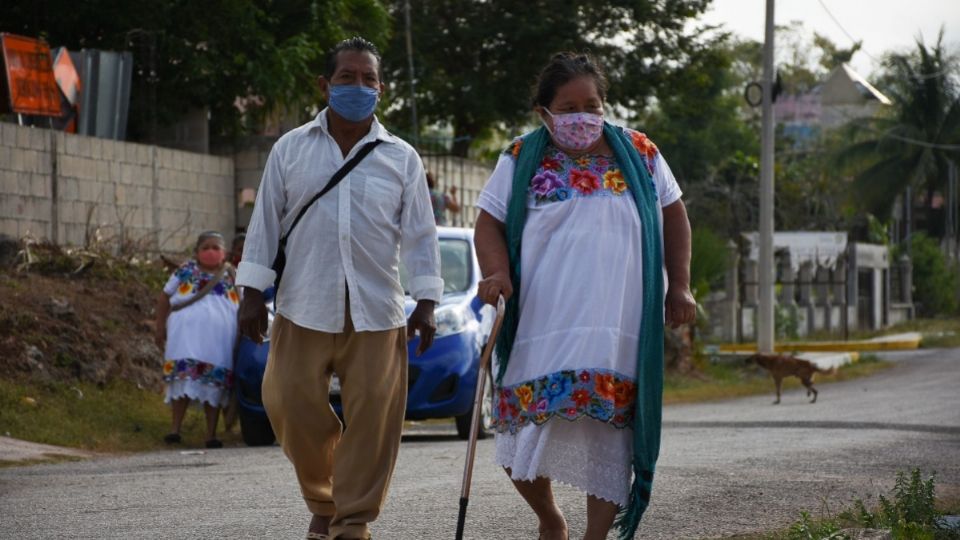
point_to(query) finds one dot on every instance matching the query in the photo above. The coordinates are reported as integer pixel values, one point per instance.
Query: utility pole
(413, 92)
(765, 320)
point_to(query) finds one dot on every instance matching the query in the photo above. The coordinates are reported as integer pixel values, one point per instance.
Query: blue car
(441, 382)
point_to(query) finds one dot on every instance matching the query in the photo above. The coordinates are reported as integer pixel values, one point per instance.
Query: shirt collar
(377, 131)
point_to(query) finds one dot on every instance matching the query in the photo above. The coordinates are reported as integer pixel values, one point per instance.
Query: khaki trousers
(343, 474)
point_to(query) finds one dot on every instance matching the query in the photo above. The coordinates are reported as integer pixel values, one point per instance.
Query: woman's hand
(160, 328)
(491, 287)
(160, 334)
(681, 308)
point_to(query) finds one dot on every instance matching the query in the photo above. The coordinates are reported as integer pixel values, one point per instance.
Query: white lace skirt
(587, 454)
(215, 396)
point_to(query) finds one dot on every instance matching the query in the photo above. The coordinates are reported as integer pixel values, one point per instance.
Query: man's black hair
(356, 43)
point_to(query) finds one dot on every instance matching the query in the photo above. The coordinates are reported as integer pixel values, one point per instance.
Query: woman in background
(197, 328)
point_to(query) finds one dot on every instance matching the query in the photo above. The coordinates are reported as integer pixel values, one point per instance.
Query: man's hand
(252, 315)
(422, 321)
(491, 287)
(681, 307)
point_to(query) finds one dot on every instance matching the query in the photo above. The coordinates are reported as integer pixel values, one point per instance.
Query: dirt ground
(74, 316)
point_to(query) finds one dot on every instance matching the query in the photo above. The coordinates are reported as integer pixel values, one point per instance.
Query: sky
(881, 24)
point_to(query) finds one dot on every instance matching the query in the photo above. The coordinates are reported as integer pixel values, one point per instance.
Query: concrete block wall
(25, 184)
(76, 190)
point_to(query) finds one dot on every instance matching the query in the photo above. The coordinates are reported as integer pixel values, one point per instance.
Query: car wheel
(486, 416)
(255, 428)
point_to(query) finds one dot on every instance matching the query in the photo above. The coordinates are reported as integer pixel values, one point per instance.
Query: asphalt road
(726, 468)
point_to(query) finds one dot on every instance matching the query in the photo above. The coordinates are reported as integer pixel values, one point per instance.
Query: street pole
(413, 93)
(765, 324)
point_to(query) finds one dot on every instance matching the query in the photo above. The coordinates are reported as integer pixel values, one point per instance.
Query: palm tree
(913, 144)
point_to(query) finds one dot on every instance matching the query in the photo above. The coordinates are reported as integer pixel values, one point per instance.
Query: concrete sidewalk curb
(823, 360)
(896, 342)
(15, 450)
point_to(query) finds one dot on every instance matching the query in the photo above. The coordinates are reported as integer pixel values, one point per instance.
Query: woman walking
(197, 328)
(578, 222)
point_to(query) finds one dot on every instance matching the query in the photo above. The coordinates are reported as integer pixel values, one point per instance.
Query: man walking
(340, 305)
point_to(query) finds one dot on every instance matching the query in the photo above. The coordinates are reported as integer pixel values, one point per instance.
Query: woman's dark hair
(355, 43)
(562, 68)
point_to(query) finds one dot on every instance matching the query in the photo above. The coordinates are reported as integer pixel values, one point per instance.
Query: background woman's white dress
(198, 358)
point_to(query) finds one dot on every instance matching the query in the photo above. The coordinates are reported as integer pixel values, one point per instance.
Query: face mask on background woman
(211, 257)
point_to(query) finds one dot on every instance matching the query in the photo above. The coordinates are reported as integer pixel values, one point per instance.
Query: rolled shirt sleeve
(496, 193)
(419, 248)
(263, 234)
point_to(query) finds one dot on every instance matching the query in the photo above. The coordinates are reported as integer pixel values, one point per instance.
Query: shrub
(909, 514)
(708, 261)
(936, 280)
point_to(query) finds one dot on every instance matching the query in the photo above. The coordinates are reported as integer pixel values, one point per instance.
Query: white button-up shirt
(352, 237)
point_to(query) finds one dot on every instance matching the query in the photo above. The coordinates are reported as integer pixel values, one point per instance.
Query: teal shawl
(646, 422)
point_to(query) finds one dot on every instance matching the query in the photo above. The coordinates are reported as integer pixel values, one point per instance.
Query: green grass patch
(119, 417)
(732, 379)
(910, 511)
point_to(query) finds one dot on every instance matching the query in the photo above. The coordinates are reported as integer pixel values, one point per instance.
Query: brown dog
(781, 366)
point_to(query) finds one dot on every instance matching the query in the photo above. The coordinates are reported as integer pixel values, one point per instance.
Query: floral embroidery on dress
(188, 369)
(614, 181)
(193, 279)
(584, 181)
(601, 394)
(560, 177)
(514, 148)
(645, 146)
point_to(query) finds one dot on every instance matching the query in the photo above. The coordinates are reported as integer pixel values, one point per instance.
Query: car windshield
(456, 266)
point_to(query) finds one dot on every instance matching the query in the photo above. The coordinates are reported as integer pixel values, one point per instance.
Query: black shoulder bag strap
(281, 260)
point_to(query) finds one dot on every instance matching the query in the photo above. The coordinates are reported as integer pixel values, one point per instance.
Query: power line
(853, 40)
(889, 133)
(925, 144)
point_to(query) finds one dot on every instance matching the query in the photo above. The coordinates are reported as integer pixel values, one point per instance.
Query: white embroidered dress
(565, 407)
(200, 337)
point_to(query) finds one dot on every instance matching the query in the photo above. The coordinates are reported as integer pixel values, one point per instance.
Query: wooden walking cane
(475, 422)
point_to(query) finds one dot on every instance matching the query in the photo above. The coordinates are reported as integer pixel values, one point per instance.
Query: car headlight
(270, 308)
(453, 319)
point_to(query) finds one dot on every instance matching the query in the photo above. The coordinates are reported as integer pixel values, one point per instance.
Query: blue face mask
(355, 103)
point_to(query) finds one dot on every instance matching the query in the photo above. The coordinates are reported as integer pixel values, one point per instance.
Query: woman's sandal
(172, 438)
(214, 443)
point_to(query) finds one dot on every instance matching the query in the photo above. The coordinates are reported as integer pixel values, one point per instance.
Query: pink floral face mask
(575, 131)
(211, 257)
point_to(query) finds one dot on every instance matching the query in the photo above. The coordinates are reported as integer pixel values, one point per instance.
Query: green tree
(911, 146)
(699, 122)
(475, 61)
(264, 53)
(833, 56)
